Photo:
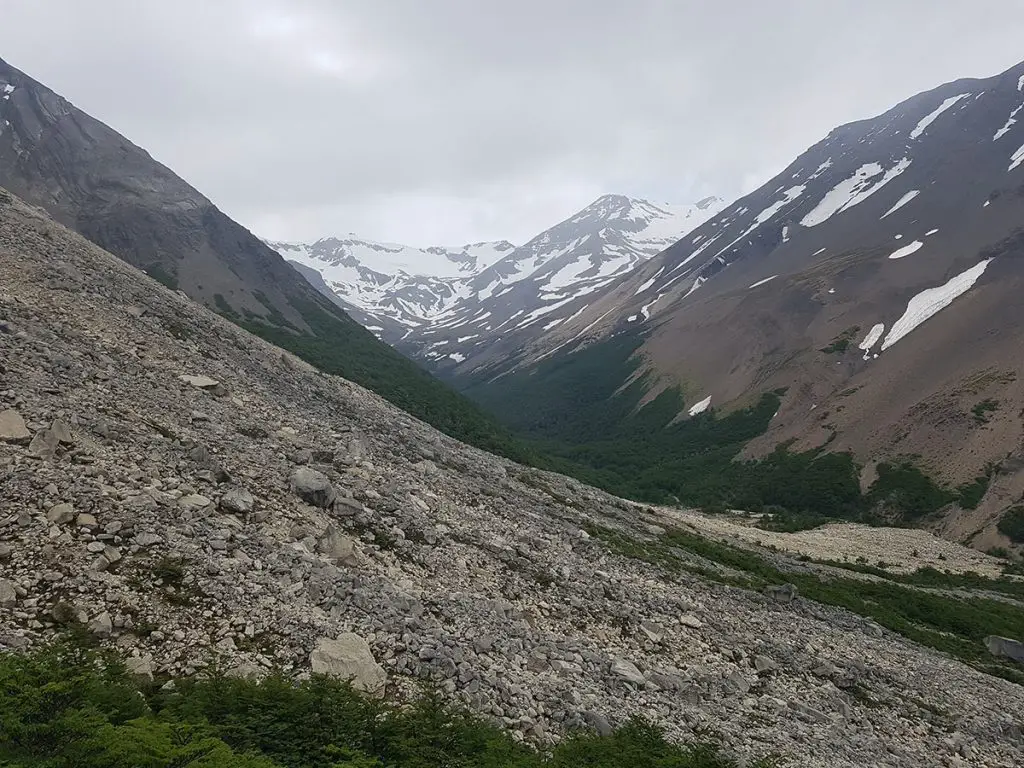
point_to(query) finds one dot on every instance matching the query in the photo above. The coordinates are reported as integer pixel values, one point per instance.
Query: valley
(727, 483)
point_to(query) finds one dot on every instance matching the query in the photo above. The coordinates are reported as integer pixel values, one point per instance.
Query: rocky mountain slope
(187, 493)
(443, 305)
(95, 181)
(875, 278)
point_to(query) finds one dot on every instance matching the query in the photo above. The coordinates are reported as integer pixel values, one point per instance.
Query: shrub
(63, 706)
(1011, 524)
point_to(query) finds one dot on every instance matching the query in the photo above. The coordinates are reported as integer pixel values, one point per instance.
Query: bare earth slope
(147, 495)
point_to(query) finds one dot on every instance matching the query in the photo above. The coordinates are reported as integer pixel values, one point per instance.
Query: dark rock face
(94, 180)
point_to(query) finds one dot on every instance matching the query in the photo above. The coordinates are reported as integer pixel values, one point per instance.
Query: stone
(194, 502)
(199, 382)
(102, 625)
(628, 671)
(738, 681)
(61, 514)
(348, 657)
(62, 432)
(598, 722)
(668, 682)
(238, 501)
(312, 486)
(140, 666)
(85, 520)
(12, 428)
(8, 594)
(340, 548)
(44, 444)
(652, 631)
(5, 552)
(148, 539)
(246, 672)
(764, 664)
(1005, 647)
(815, 715)
(691, 621)
(781, 593)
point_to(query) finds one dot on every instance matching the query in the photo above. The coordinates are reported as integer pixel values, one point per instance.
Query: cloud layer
(452, 121)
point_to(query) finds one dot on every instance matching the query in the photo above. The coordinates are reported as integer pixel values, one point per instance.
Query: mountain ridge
(872, 280)
(91, 178)
(420, 307)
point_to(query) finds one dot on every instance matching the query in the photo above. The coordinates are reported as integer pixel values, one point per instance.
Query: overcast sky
(452, 121)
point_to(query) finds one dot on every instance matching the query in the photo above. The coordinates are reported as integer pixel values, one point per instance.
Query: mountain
(188, 497)
(875, 281)
(444, 305)
(392, 288)
(94, 180)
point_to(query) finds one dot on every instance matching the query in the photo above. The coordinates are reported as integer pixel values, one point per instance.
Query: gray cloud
(457, 120)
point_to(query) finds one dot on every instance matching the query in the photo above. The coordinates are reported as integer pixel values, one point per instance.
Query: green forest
(575, 412)
(340, 346)
(67, 706)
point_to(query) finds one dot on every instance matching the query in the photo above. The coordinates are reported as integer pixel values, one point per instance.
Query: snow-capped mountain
(553, 276)
(391, 288)
(424, 299)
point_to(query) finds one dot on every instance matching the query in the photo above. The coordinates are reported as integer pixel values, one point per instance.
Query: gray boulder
(341, 548)
(12, 427)
(628, 671)
(61, 514)
(237, 500)
(348, 657)
(313, 487)
(1005, 647)
(8, 595)
(781, 593)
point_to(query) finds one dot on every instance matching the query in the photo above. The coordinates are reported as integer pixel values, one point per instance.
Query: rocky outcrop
(479, 576)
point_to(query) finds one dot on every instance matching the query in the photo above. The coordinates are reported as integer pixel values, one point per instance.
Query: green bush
(1011, 524)
(905, 489)
(65, 707)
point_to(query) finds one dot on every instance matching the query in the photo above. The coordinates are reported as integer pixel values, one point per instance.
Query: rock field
(192, 495)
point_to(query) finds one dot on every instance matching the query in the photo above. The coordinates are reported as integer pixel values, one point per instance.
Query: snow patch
(902, 201)
(852, 191)
(930, 232)
(701, 406)
(1010, 121)
(872, 338)
(1020, 83)
(932, 300)
(1015, 159)
(458, 357)
(822, 168)
(785, 234)
(647, 284)
(931, 116)
(762, 282)
(820, 250)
